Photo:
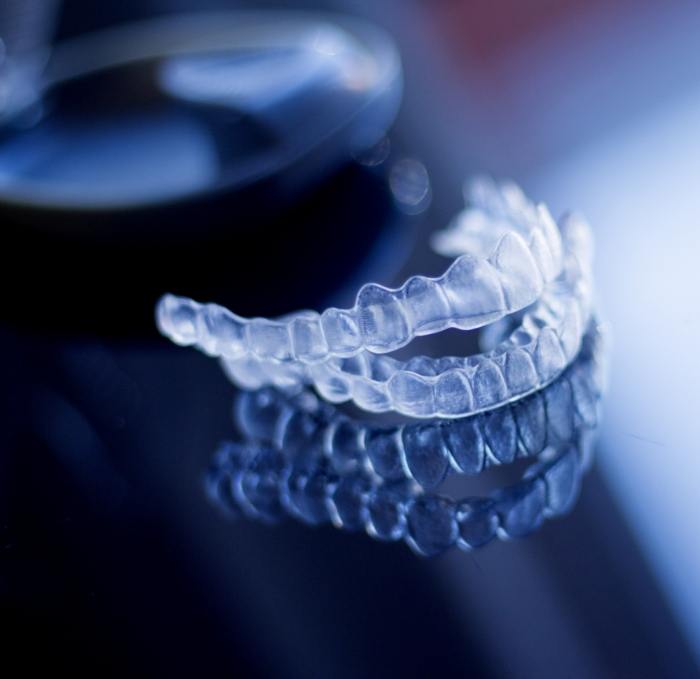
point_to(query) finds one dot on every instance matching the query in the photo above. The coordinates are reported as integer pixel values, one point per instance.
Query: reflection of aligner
(303, 459)
(424, 452)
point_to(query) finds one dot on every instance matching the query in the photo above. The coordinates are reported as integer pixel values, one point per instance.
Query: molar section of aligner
(342, 331)
(245, 372)
(426, 305)
(371, 392)
(268, 339)
(382, 319)
(366, 392)
(473, 289)
(371, 395)
(256, 414)
(520, 278)
(207, 329)
(309, 344)
(227, 332)
(283, 375)
(330, 382)
(412, 394)
(178, 319)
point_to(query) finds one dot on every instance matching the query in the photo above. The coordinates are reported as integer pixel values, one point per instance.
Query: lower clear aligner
(425, 452)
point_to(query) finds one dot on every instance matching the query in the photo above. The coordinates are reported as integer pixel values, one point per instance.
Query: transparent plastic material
(301, 458)
(507, 250)
(511, 256)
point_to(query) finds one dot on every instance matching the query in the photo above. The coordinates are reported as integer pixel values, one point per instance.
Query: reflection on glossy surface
(299, 457)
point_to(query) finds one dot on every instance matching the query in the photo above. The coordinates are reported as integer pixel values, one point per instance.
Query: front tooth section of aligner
(521, 280)
(473, 290)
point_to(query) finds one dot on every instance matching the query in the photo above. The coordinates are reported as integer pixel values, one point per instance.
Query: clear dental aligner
(544, 343)
(299, 457)
(261, 483)
(426, 451)
(507, 250)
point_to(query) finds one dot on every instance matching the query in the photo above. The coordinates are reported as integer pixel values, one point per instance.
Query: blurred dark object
(26, 29)
(173, 157)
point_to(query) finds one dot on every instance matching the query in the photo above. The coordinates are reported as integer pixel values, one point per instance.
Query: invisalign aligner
(293, 462)
(539, 349)
(507, 249)
(425, 452)
(543, 344)
(261, 484)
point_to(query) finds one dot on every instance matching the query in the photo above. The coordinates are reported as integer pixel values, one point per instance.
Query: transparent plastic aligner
(537, 351)
(263, 484)
(427, 452)
(507, 250)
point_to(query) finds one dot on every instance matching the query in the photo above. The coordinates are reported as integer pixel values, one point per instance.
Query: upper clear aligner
(507, 249)
(541, 346)
(546, 340)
